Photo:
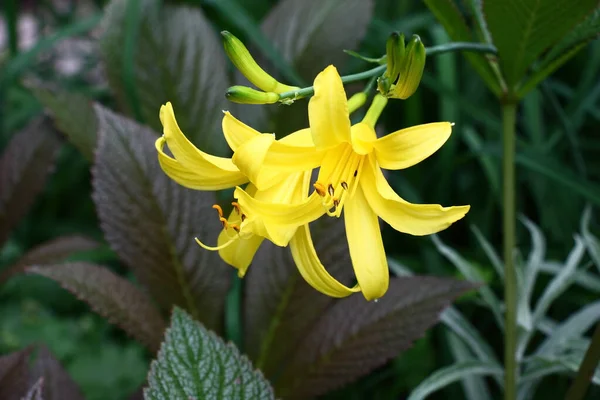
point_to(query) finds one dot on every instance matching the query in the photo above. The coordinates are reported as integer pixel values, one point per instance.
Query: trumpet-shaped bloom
(350, 179)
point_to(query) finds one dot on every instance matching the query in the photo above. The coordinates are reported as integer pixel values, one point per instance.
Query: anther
(319, 188)
(345, 185)
(355, 172)
(235, 228)
(243, 217)
(223, 221)
(330, 190)
(336, 203)
(237, 207)
(219, 209)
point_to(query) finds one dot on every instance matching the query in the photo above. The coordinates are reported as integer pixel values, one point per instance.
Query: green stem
(510, 287)
(586, 369)
(430, 51)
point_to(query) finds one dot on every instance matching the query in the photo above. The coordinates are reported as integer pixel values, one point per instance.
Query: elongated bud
(411, 70)
(395, 51)
(243, 61)
(356, 101)
(246, 95)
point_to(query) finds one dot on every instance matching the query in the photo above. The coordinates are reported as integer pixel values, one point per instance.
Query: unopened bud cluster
(405, 65)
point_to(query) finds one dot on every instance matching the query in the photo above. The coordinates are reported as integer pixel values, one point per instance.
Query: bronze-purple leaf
(14, 375)
(58, 385)
(150, 222)
(355, 336)
(24, 166)
(111, 296)
(53, 251)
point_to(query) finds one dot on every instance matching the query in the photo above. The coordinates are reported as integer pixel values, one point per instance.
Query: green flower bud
(411, 70)
(243, 61)
(395, 51)
(356, 101)
(246, 95)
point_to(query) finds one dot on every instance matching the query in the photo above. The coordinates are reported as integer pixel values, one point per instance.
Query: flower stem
(586, 369)
(510, 287)
(430, 51)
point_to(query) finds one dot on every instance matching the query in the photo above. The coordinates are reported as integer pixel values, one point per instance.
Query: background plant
(133, 224)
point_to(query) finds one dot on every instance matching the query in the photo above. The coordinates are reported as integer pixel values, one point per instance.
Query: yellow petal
(240, 253)
(366, 247)
(311, 268)
(407, 147)
(414, 219)
(206, 177)
(363, 138)
(188, 156)
(263, 159)
(236, 132)
(328, 110)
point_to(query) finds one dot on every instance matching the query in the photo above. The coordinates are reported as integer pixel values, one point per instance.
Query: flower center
(233, 224)
(338, 178)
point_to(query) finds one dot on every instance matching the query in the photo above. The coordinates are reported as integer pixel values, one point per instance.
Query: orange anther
(235, 228)
(336, 203)
(223, 221)
(219, 209)
(330, 190)
(243, 217)
(237, 207)
(319, 188)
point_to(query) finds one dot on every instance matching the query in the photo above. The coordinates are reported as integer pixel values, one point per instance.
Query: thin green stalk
(586, 369)
(510, 287)
(431, 51)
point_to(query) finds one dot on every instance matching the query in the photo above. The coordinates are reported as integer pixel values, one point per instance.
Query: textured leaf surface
(194, 363)
(150, 221)
(14, 375)
(280, 308)
(448, 14)
(310, 35)
(35, 392)
(523, 29)
(355, 336)
(111, 296)
(24, 166)
(58, 385)
(74, 116)
(54, 251)
(156, 54)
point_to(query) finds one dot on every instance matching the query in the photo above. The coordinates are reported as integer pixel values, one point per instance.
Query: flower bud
(243, 61)
(246, 95)
(395, 51)
(411, 70)
(356, 101)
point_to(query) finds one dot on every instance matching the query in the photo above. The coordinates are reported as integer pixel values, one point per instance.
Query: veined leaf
(355, 336)
(74, 116)
(451, 374)
(58, 385)
(453, 21)
(157, 53)
(523, 29)
(150, 221)
(276, 312)
(111, 296)
(14, 375)
(53, 251)
(24, 166)
(194, 363)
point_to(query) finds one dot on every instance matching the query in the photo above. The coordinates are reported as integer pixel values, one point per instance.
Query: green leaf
(58, 385)
(451, 374)
(194, 363)
(53, 251)
(475, 387)
(523, 29)
(111, 296)
(24, 165)
(74, 116)
(591, 242)
(276, 314)
(453, 21)
(150, 221)
(489, 251)
(14, 374)
(473, 275)
(155, 54)
(355, 336)
(584, 279)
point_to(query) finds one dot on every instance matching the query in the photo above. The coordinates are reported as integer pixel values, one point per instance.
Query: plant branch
(586, 369)
(430, 51)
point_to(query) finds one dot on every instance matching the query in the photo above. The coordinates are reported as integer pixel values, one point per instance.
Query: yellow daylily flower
(243, 231)
(350, 159)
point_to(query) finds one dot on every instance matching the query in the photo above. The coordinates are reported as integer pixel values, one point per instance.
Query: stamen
(355, 172)
(223, 222)
(345, 185)
(243, 217)
(216, 248)
(236, 206)
(330, 190)
(219, 209)
(235, 227)
(319, 188)
(336, 203)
